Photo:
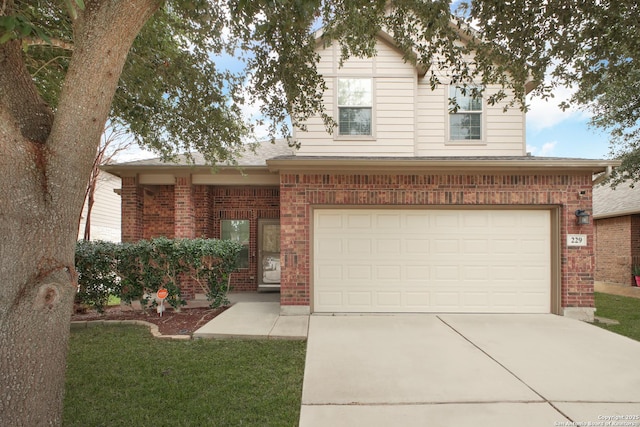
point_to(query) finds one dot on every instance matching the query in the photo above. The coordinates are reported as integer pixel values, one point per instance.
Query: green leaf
(25, 29)
(6, 37)
(41, 34)
(8, 22)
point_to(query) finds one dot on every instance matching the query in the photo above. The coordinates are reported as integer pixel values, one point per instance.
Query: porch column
(132, 204)
(185, 218)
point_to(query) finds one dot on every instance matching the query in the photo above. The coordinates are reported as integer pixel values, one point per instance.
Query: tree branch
(62, 44)
(19, 95)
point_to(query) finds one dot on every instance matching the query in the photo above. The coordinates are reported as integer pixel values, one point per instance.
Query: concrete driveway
(468, 370)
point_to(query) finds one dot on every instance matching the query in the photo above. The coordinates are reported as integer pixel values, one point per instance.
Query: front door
(269, 254)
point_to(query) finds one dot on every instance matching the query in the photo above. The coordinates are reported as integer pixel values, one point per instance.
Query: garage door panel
(416, 247)
(475, 221)
(388, 246)
(357, 221)
(357, 299)
(388, 221)
(328, 298)
(389, 299)
(359, 272)
(417, 299)
(478, 247)
(328, 247)
(377, 260)
(446, 246)
(476, 300)
(359, 246)
(329, 221)
(417, 272)
(442, 219)
(534, 246)
(389, 272)
(330, 273)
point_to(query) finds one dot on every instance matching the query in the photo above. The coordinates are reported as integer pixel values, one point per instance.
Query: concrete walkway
(255, 316)
(466, 370)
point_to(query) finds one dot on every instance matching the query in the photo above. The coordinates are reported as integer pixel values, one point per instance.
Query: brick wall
(131, 196)
(184, 209)
(635, 240)
(158, 211)
(203, 207)
(187, 211)
(250, 203)
(300, 191)
(613, 250)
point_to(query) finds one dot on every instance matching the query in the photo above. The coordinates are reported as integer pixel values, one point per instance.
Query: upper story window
(354, 106)
(466, 122)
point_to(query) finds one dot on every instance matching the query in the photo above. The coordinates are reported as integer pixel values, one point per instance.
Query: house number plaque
(576, 240)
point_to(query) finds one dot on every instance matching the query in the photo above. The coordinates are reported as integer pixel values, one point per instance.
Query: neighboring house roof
(609, 202)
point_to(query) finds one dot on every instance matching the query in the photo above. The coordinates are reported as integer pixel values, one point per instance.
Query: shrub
(136, 271)
(211, 263)
(96, 266)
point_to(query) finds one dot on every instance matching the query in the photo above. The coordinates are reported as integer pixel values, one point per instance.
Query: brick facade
(131, 197)
(184, 210)
(250, 203)
(617, 249)
(300, 191)
(158, 209)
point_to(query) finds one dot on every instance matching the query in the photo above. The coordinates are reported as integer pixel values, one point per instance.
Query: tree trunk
(45, 162)
(90, 199)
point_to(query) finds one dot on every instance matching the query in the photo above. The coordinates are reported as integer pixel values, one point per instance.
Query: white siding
(502, 132)
(393, 124)
(105, 215)
(409, 119)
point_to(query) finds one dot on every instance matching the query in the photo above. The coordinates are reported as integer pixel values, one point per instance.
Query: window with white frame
(465, 122)
(354, 106)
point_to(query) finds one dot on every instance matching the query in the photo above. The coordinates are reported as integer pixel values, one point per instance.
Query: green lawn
(122, 376)
(625, 310)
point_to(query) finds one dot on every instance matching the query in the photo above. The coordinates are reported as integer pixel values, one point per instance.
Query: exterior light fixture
(582, 217)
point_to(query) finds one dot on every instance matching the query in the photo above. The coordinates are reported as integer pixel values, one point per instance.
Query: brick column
(132, 203)
(185, 218)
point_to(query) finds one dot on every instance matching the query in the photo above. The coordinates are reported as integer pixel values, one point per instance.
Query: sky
(551, 132)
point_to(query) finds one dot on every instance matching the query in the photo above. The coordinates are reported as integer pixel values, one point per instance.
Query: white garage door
(480, 261)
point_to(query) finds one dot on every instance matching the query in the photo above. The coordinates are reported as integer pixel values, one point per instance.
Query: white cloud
(133, 153)
(546, 150)
(544, 114)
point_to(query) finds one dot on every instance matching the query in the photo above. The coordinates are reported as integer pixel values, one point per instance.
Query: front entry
(268, 254)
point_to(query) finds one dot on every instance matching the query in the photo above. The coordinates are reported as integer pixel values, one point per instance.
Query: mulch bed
(183, 322)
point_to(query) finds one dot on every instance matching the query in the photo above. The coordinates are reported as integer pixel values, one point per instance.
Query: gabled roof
(622, 201)
(465, 33)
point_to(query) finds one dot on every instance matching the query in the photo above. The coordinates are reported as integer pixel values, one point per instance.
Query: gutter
(439, 164)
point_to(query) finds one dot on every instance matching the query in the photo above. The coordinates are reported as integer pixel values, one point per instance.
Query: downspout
(603, 176)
